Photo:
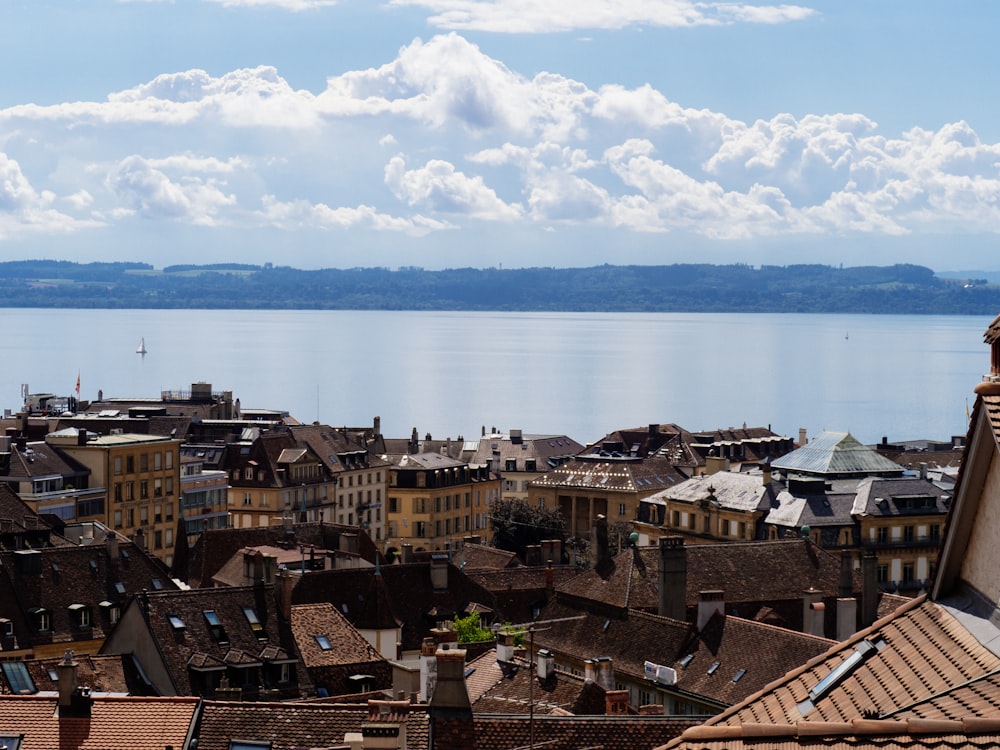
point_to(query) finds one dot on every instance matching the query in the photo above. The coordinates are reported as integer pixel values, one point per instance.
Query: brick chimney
(450, 709)
(672, 571)
(283, 586)
(439, 572)
(616, 702)
(710, 602)
(869, 589)
(74, 701)
(385, 727)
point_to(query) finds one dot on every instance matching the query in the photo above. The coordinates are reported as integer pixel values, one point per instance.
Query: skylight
(324, 642)
(862, 653)
(175, 622)
(711, 669)
(18, 678)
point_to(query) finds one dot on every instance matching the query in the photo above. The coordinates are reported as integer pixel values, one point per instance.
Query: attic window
(685, 661)
(124, 554)
(11, 741)
(255, 623)
(248, 745)
(711, 669)
(215, 628)
(157, 584)
(18, 678)
(739, 674)
(324, 642)
(93, 565)
(862, 653)
(120, 587)
(55, 567)
(176, 623)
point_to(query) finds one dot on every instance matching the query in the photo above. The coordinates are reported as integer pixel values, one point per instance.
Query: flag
(78, 384)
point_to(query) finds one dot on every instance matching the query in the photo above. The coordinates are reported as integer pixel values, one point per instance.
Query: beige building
(141, 476)
(521, 458)
(435, 501)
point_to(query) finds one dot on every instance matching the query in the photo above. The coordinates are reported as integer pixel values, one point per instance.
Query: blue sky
(451, 133)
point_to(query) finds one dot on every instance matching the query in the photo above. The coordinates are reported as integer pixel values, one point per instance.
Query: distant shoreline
(679, 288)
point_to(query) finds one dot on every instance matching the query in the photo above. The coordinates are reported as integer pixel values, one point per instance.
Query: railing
(916, 541)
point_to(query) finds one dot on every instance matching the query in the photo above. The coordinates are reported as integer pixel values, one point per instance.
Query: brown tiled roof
(912, 734)
(348, 645)
(765, 652)
(514, 688)
(480, 556)
(927, 652)
(784, 569)
(102, 674)
(73, 575)
(292, 726)
(609, 474)
(123, 723)
(554, 732)
(326, 442)
(979, 696)
(215, 547)
(408, 591)
(240, 644)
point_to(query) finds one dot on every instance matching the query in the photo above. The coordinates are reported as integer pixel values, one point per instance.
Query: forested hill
(906, 289)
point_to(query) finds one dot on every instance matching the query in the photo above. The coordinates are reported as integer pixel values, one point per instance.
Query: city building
(519, 458)
(435, 500)
(141, 477)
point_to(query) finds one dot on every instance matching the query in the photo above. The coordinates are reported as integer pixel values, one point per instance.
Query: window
(169, 484)
(170, 459)
(621, 509)
(43, 620)
(215, 628)
(255, 625)
(907, 572)
(18, 677)
(935, 532)
(144, 462)
(118, 492)
(324, 642)
(118, 465)
(176, 623)
(130, 490)
(883, 535)
(394, 505)
(907, 533)
(883, 573)
(130, 464)
(143, 489)
(157, 487)
(79, 615)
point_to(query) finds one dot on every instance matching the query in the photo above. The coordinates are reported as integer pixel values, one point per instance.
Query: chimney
(715, 464)
(869, 589)
(414, 444)
(552, 551)
(847, 617)
(546, 664)
(406, 556)
(846, 573)
(710, 602)
(428, 668)
(377, 426)
(533, 555)
(673, 578)
(140, 539)
(111, 545)
(923, 470)
(260, 601)
(654, 430)
(385, 727)
(67, 679)
(600, 541)
(439, 571)
(765, 470)
(803, 440)
(550, 583)
(74, 701)
(283, 594)
(505, 646)
(813, 612)
(516, 436)
(452, 727)
(616, 702)
(605, 672)
(651, 709)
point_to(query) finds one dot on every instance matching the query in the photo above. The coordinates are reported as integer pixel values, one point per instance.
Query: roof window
(324, 642)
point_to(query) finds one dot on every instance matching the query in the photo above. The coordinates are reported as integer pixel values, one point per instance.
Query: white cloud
(438, 186)
(25, 210)
(542, 16)
(301, 214)
(150, 193)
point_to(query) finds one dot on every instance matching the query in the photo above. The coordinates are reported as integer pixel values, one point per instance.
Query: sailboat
(141, 349)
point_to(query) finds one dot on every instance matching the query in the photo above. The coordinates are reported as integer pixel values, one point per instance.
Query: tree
(516, 524)
(470, 629)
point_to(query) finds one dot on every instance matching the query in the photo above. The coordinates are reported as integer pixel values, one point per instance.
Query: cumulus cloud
(542, 16)
(477, 141)
(440, 187)
(301, 214)
(152, 194)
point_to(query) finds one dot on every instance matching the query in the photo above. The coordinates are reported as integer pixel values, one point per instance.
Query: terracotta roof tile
(153, 723)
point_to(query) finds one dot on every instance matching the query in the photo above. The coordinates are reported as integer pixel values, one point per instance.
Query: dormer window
(42, 618)
(79, 615)
(6, 627)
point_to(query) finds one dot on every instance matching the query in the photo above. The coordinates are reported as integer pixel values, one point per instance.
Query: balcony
(915, 542)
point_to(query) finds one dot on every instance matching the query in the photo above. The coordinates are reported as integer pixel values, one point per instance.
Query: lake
(581, 374)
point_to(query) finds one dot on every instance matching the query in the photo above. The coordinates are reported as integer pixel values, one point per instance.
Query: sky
(511, 133)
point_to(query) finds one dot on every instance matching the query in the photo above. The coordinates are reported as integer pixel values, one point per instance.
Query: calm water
(583, 375)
